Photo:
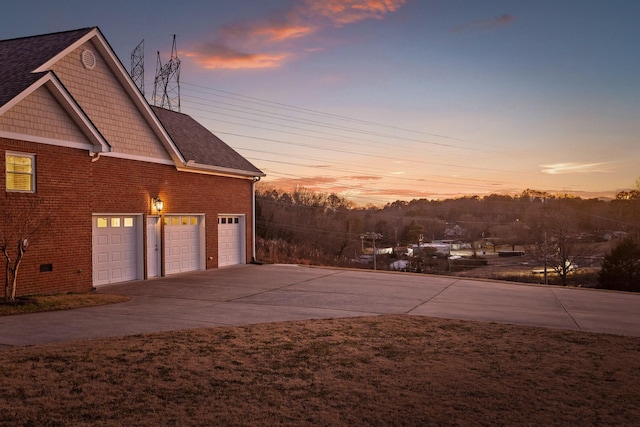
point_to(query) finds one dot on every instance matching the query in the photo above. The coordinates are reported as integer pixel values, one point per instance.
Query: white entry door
(231, 240)
(182, 243)
(115, 257)
(153, 246)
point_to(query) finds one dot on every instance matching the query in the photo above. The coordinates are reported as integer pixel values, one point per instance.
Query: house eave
(194, 167)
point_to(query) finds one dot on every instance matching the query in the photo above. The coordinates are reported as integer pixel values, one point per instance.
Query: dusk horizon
(384, 100)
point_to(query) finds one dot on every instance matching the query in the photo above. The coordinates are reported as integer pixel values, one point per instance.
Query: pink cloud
(213, 56)
(268, 43)
(343, 12)
(323, 184)
(285, 32)
(364, 178)
(261, 32)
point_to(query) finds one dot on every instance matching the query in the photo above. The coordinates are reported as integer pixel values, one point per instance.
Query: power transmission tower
(166, 88)
(137, 66)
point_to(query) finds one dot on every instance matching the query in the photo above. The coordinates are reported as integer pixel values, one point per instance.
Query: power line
(290, 119)
(368, 144)
(265, 102)
(366, 166)
(248, 112)
(337, 150)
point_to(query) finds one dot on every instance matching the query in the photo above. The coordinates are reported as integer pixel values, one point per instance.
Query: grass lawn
(39, 303)
(389, 370)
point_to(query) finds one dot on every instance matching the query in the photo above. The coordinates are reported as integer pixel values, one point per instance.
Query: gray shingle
(198, 144)
(19, 57)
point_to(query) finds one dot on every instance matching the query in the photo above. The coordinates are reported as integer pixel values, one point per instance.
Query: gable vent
(88, 59)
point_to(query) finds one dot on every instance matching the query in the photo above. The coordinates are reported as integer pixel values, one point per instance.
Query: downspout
(253, 219)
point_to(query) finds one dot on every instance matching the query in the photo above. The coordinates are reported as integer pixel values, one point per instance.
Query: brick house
(77, 134)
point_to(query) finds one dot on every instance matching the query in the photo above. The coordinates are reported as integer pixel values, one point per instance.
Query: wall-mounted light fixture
(157, 203)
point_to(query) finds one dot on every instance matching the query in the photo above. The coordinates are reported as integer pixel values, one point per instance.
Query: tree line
(302, 226)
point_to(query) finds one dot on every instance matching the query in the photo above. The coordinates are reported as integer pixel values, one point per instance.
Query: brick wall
(73, 187)
(127, 186)
(61, 187)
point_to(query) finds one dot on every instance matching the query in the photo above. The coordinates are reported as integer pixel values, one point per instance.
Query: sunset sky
(382, 100)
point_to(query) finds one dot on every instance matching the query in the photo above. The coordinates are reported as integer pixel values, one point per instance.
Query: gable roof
(25, 63)
(201, 148)
(19, 58)
(19, 77)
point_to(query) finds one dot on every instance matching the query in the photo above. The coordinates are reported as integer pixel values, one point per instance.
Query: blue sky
(382, 100)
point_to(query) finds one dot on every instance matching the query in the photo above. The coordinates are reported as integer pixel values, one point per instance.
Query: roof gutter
(192, 166)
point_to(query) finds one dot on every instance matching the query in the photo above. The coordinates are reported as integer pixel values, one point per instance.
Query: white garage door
(182, 243)
(114, 249)
(231, 240)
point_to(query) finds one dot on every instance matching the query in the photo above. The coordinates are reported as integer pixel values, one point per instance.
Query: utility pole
(373, 236)
(544, 250)
(545, 257)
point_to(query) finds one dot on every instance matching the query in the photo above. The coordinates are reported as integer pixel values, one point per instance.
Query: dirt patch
(391, 370)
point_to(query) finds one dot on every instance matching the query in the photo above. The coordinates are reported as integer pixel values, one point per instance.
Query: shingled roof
(199, 146)
(200, 149)
(20, 57)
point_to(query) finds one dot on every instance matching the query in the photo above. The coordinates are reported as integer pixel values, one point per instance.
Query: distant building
(438, 248)
(454, 231)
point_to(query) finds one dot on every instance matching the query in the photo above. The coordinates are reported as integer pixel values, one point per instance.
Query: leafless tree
(556, 239)
(23, 218)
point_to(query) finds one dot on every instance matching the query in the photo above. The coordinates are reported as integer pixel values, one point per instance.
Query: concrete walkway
(252, 294)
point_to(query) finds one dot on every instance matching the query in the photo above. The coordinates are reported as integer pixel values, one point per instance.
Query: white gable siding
(104, 100)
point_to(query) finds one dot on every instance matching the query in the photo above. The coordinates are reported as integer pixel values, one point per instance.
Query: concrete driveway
(250, 294)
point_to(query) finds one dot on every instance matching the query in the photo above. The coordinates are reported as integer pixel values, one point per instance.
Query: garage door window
(104, 222)
(225, 220)
(181, 220)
